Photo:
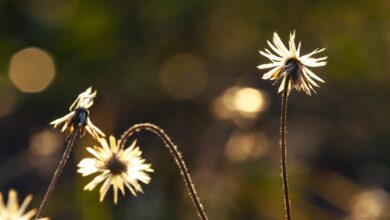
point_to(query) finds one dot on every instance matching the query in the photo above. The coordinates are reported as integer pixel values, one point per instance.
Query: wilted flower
(12, 211)
(288, 65)
(117, 167)
(79, 116)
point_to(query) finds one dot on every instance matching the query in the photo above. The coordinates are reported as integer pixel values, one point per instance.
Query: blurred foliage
(135, 53)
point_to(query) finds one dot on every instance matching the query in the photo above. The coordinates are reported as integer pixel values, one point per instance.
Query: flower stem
(176, 155)
(283, 118)
(69, 144)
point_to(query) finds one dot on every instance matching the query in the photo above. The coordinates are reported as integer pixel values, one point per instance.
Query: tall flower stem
(176, 155)
(69, 144)
(283, 150)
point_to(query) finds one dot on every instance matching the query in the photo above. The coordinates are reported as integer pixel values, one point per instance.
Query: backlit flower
(79, 116)
(115, 166)
(288, 66)
(12, 211)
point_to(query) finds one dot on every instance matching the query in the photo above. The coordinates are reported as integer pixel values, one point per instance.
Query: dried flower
(288, 65)
(79, 116)
(116, 166)
(12, 211)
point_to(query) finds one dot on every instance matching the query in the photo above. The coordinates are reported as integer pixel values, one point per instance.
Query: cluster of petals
(290, 68)
(12, 211)
(79, 116)
(116, 167)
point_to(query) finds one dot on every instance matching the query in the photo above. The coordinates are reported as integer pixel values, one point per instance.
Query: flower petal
(280, 45)
(268, 65)
(98, 179)
(106, 185)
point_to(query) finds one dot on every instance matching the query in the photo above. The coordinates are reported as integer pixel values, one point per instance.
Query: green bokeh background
(338, 140)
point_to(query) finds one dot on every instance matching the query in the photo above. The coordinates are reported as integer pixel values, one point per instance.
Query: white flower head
(12, 211)
(115, 166)
(79, 116)
(84, 100)
(288, 66)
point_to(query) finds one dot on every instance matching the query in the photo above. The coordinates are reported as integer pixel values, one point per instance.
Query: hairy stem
(283, 118)
(176, 155)
(69, 144)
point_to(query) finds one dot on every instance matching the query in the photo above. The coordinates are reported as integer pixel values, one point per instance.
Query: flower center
(293, 69)
(116, 166)
(80, 117)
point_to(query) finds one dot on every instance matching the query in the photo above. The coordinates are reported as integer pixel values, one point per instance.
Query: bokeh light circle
(249, 100)
(31, 70)
(245, 102)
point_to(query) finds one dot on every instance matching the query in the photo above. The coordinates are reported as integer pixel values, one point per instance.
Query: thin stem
(69, 143)
(176, 155)
(283, 118)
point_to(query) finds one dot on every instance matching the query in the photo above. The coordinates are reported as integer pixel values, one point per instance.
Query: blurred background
(190, 67)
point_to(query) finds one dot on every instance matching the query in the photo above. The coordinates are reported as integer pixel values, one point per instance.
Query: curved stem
(176, 155)
(69, 144)
(283, 118)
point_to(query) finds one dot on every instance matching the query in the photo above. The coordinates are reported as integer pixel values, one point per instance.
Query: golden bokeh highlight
(242, 146)
(370, 204)
(32, 70)
(220, 109)
(45, 143)
(242, 102)
(183, 76)
(249, 101)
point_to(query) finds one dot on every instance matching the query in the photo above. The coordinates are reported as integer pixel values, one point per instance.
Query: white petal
(115, 193)
(87, 166)
(280, 45)
(12, 203)
(61, 120)
(98, 179)
(267, 66)
(63, 129)
(314, 64)
(312, 53)
(304, 86)
(299, 49)
(133, 181)
(104, 144)
(28, 215)
(2, 205)
(312, 75)
(106, 185)
(309, 78)
(270, 56)
(277, 50)
(130, 187)
(96, 131)
(25, 203)
(113, 144)
(269, 74)
(120, 184)
(291, 44)
(97, 152)
(281, 87)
